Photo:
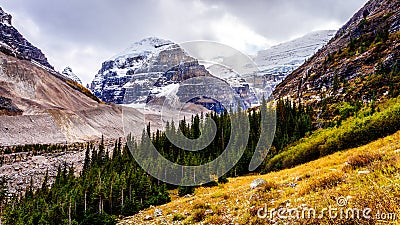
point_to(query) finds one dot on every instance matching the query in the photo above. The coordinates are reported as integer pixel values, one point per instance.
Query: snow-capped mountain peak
(67, 72)
(279, 61)
(286, 57)
(152, 66)
(5, 18)
(136, 69)
(145, 47)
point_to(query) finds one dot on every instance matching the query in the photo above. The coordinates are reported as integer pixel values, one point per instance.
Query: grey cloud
(82, 33)
(278, 19)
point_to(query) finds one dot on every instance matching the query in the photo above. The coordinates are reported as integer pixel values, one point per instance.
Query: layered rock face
(12, 40)
(191, 82)
(358, 64)
(7, 107)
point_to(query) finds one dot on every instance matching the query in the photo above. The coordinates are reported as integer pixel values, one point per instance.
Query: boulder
(257, 183)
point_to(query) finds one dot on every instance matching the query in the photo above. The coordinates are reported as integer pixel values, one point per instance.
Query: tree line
(112, 184)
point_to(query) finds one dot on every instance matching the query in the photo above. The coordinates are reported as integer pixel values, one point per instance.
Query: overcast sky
(84, 33)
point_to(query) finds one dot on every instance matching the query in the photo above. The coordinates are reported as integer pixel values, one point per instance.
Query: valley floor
(357, 186)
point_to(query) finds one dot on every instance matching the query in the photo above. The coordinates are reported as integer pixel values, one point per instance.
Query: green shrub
(178, 217)
(183, 190)
(354, 132)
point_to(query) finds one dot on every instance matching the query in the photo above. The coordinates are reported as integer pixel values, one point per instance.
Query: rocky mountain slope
(67, 72)
(7, 107)
(39, 105)
(47, 109)
(360, 64)
(13, 41)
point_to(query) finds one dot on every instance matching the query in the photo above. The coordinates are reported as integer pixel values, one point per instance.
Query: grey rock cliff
(12, 40)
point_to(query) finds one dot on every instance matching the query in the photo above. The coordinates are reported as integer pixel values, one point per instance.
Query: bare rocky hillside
(359, 64)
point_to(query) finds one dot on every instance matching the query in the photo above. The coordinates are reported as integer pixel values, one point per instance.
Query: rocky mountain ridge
(133, 77)
(12, 40)
(147, 72)
(68, 73)
(359, 64)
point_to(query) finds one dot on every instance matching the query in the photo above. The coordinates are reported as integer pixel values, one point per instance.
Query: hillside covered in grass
(367, 177)
(367, 124)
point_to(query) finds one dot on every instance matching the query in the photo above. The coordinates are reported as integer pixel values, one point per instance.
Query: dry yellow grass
(364, 177)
